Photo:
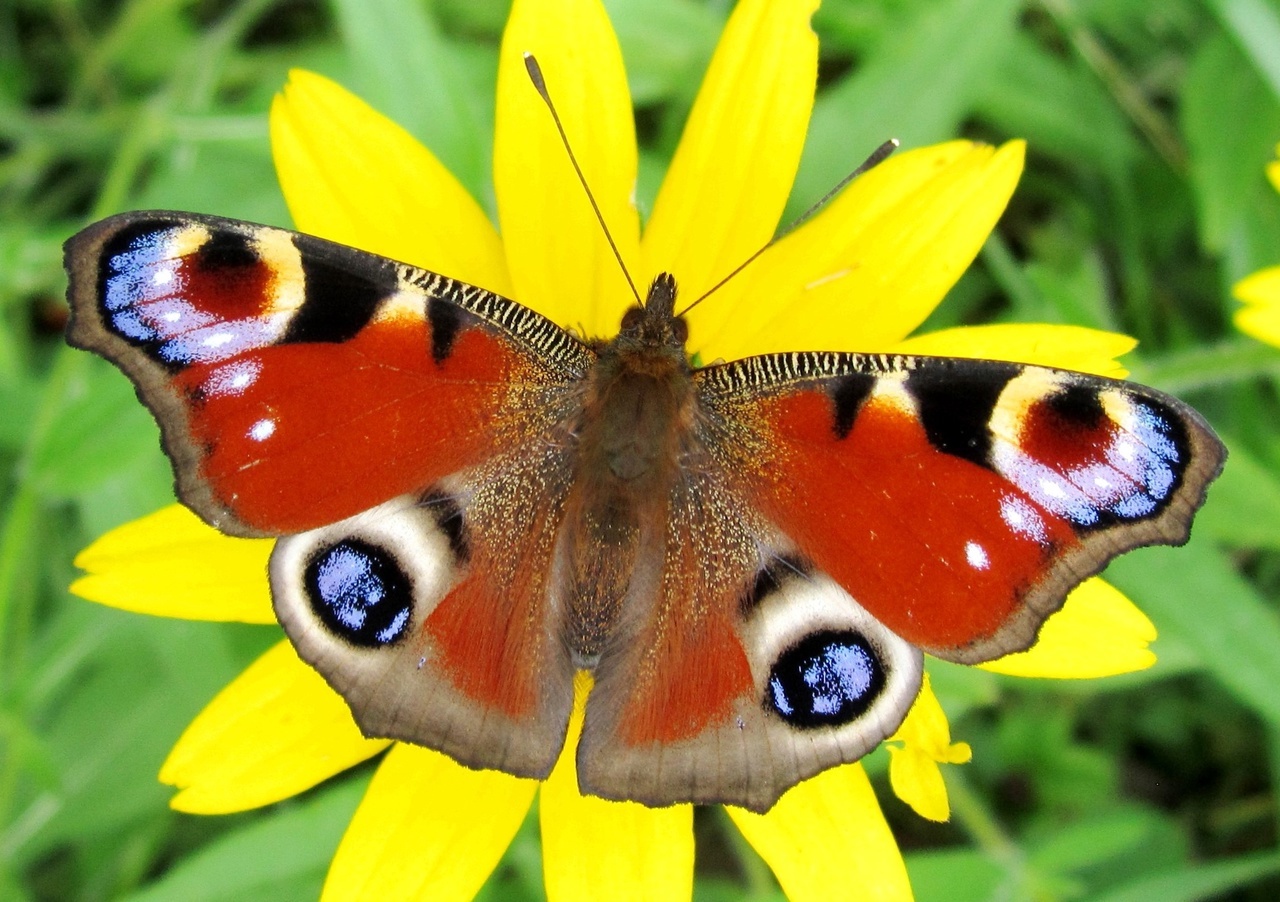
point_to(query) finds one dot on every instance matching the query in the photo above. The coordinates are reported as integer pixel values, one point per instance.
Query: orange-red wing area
(294, 436)
(921, 538)
(297, 381)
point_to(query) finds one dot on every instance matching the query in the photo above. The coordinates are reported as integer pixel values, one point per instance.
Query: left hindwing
(959, 501)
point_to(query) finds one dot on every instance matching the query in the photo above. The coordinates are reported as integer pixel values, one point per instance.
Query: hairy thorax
(635, 422)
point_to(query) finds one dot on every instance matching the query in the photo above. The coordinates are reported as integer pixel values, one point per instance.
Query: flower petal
(428, 828)
(560, 261)
(917, 780)
(1064, 347)
(596, 849)
(926, 729)
(913, 769)
(352, 175)
(276, 730)
(868, 269)
(737, 158)
(171, 564)
(1261, 293)
(828, 833)
(1099, 632)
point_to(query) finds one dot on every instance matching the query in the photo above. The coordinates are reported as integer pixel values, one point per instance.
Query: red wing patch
(939, 549)
(959, 500)
(297, 381)
(298, 435)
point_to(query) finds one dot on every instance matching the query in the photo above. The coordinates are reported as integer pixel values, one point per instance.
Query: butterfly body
(473, 505)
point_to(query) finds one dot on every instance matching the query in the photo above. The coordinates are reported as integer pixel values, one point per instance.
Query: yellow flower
(861, 275)
(1260, 317)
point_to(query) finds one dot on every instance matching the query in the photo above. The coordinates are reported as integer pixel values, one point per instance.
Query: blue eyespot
(828, 678)
(359, 592)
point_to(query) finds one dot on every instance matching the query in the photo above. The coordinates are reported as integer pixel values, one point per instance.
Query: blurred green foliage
(1143, 201)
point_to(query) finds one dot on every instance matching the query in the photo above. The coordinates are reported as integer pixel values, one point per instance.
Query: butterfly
(473, 503)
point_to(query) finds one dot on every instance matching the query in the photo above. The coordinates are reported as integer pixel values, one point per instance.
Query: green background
(1144, 199)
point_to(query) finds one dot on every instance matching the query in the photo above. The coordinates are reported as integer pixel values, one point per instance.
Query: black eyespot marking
(359, 592)
(770, 578)
(226, 250)
(446, 323)
(848, 395)
(1079, 404)
(341, 295)
(957, 412)
(827, 679)
(449, 517)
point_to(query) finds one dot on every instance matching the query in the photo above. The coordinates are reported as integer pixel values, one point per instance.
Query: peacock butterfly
(472, 503)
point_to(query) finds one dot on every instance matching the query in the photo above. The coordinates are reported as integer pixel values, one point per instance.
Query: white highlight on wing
(977, 556)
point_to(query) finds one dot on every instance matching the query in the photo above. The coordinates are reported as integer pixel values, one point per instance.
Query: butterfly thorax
(635, 420)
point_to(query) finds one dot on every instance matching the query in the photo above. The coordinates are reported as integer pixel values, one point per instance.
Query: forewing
(959, 501)
(298, 382)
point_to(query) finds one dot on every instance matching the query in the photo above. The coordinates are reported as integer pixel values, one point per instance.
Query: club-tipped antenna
(539, 83)
(877, 157)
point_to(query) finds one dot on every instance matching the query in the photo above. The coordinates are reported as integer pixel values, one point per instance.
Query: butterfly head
(655, 325)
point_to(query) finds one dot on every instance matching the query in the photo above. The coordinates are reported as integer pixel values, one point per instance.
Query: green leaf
(667, 45)
(1256, 27)
(1059, 107)
(282, 856)
(959, 875)
(1102, 837)
(1243, 508)
(1231, 122)
(1201, 881)
(917, 86)
(99, 434)
(1194, 591)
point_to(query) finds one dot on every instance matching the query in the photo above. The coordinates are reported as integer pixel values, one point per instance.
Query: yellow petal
(737, 158)
(171, 564)
(926, 729)
(868, 269)
(1099, 632)
(917, 780)
(1260, 318)
(595, 849)
(828, 838)
(428, 828)
(560, 262)
(1273, 170)
(275, 731)
(913, 768)
(1064, 347)
(352, 175)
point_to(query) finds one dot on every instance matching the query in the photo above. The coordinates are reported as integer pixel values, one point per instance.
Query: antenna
(535, 76)
(877, 157)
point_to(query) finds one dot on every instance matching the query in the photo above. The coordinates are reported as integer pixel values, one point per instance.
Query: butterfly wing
(961, 500)
(296, 381)
(401, 429)
(872, 506)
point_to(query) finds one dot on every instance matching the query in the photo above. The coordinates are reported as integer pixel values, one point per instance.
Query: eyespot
(359, 592)
(828, 678)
